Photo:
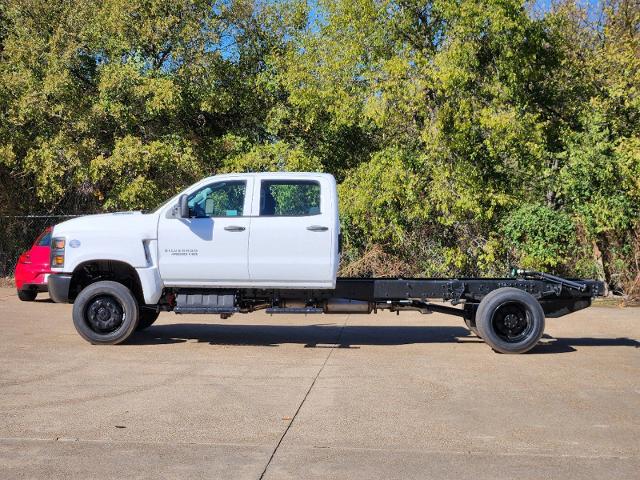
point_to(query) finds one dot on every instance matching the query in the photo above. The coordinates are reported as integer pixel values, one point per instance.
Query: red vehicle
(33, 268)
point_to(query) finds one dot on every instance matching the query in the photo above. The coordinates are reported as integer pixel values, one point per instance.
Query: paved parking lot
(294, 397)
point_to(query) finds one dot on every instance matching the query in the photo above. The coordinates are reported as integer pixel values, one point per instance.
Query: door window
(287, 198)
(222, 199)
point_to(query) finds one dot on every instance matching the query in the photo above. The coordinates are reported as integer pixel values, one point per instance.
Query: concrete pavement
(279, 397)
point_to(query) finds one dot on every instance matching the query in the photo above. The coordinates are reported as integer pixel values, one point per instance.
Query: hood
(138, 223)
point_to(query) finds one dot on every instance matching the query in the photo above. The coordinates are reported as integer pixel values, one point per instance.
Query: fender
(127, 237)
(151, 284)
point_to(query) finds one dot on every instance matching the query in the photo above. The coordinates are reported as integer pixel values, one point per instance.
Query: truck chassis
(508, 313)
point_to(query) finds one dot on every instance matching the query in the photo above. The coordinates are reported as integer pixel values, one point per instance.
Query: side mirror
(183, 207)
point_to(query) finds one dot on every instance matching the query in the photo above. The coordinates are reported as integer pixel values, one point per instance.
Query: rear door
(292, 230)
(211, 246)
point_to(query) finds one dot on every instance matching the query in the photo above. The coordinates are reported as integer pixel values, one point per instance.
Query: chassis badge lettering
(182, 252)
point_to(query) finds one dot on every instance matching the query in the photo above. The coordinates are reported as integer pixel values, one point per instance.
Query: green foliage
(382, 198)
(599, 183)
(542, 238)
(271, 157)
(139, 175)
(465, 134)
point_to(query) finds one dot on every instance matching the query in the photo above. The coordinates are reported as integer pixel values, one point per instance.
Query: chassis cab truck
(242, 242)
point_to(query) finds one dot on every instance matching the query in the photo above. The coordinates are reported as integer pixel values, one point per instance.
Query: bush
(540, 238)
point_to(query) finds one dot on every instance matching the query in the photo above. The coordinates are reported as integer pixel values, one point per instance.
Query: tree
(466, 135)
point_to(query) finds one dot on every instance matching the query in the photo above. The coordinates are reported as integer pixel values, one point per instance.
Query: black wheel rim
(512, 322)
(104, 314)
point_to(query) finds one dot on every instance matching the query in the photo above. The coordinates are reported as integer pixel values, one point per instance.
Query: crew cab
(237, 243)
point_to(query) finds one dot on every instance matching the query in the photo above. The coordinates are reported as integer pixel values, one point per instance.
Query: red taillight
(25, 258)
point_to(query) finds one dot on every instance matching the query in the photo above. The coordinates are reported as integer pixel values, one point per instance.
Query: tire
(473, 329)
(147, 318)
(510, 320)
(27, 295)
(105, 313)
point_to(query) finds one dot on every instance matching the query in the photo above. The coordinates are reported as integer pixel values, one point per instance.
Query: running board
(205, 309)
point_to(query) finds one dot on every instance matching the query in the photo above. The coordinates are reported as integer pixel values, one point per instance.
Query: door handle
(234, 228)
(317, 228)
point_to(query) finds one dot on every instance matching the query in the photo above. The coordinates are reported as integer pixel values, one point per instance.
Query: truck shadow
(330, 335)
(550, 344)
(311, 336)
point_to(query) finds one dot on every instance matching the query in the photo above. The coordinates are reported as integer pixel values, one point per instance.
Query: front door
(210, 248)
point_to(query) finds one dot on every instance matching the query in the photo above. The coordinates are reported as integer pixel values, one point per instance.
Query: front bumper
(59, 284)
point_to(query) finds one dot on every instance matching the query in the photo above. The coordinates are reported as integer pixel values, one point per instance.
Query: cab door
(292, 230)
(210, 248)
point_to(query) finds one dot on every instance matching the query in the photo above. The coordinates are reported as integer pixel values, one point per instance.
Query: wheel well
(97, 270)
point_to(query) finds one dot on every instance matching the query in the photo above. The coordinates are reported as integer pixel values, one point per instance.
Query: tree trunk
(597, 256)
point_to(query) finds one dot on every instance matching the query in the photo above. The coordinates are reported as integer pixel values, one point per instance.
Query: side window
(223, 199)
(286, 198)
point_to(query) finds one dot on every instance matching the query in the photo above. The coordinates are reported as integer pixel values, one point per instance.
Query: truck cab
(252, 230)
(246, 230)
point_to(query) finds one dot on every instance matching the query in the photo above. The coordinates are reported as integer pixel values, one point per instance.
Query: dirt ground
(317, 397)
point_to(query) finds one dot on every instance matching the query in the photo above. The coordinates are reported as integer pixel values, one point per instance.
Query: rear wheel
(147, 318)
(27, 295)
(471, 327)
(105, 313)
(510, 320)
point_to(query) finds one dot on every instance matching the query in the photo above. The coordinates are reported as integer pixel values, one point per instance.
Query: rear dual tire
(510, 320)
(472, 327)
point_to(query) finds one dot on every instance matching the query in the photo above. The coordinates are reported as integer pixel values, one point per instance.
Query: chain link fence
(17, 234)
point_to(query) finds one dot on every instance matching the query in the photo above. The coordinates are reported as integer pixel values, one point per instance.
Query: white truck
(238, 243)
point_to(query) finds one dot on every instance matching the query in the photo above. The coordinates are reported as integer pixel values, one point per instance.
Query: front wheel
(510, 320)
(105, 313)
(147, 318)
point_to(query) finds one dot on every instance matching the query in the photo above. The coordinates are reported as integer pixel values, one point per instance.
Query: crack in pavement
(295, 415)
